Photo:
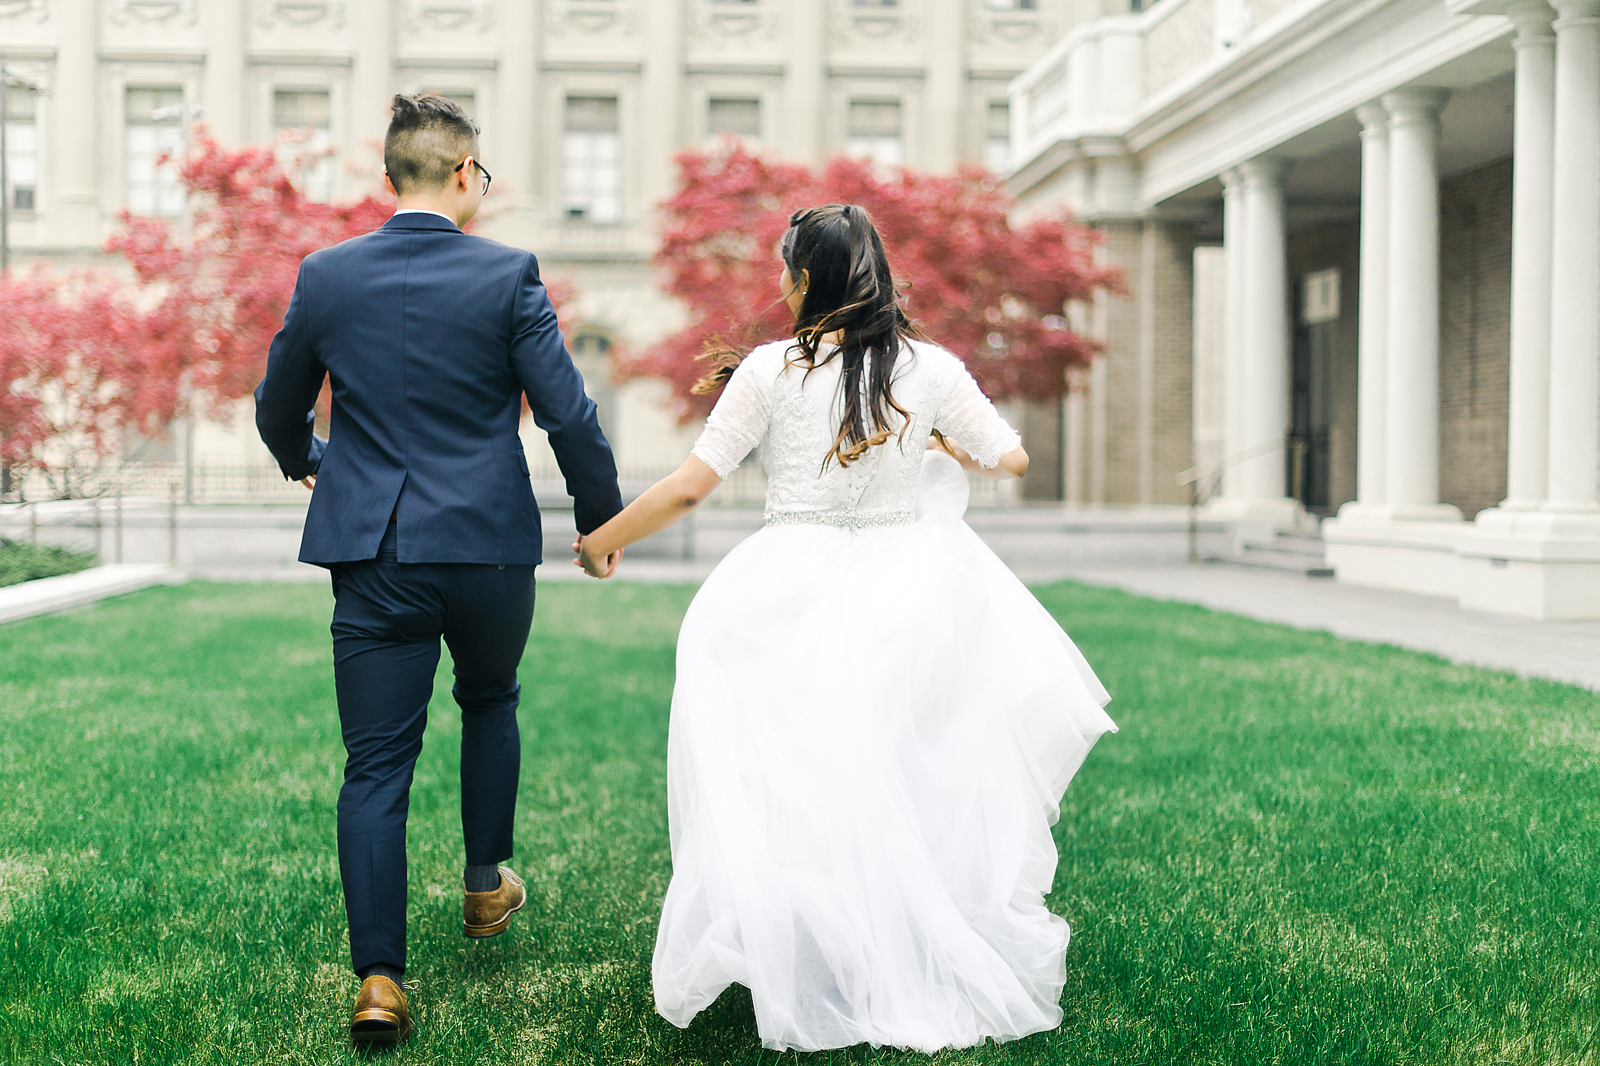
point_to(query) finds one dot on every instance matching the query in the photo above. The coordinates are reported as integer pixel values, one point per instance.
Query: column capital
(1231, 179)
(1575, 12)
(1415, 107)
(1532, 18)
(1265, 169)
(1374, 119)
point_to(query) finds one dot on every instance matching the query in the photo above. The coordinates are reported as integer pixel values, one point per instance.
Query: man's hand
(309, 482)
(596, 566)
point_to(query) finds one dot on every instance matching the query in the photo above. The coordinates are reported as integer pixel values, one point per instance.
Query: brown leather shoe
(381, 1016)
(488, 913)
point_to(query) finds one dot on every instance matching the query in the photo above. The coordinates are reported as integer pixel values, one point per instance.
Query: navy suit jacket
(430, 338)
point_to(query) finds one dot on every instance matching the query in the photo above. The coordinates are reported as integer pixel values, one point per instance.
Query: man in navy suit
(423, 512)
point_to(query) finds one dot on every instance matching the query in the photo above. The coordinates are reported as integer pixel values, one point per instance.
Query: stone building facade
(1392, 308)
(583, 105)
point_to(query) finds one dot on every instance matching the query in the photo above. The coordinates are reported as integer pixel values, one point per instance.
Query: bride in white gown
(874, 721)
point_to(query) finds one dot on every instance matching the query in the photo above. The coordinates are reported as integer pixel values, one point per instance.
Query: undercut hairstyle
(427, 136)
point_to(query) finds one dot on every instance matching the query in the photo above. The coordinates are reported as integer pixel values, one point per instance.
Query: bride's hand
(596, 566)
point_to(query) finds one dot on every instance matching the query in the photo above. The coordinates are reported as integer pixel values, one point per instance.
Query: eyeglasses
(487, 177)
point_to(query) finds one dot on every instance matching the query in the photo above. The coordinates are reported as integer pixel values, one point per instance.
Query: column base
(1255, 518)
(1411, 548)
(1537, 564)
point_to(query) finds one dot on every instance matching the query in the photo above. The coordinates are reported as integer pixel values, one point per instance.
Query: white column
(224, 92)
(943, 86)
(1372, 370)
(74, 208)
(1264, 389)
(1575, 248)
(517, 126)
(805, 86)
(1411, 475)
(372, 82)
(1528, 444)
(1233, 325)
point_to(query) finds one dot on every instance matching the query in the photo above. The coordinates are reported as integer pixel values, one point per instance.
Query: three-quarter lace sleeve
(968, 418)
(737, 423)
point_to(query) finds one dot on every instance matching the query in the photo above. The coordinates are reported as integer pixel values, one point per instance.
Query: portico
(1538, 553)
(1434, 161)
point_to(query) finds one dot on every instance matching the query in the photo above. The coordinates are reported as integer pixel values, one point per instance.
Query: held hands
(309, 482)
(599, 567)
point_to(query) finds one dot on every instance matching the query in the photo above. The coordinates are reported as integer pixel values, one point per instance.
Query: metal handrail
(1193, 476)
(1217, 466)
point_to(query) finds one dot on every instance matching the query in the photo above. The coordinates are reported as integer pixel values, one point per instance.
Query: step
(1287, 562)
(1307, 550)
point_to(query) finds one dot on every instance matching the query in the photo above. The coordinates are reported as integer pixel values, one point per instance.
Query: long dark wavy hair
(851, 293)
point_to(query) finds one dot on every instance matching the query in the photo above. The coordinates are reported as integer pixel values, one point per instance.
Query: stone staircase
(1299, 552)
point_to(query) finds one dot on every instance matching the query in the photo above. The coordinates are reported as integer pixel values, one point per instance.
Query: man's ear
(388, 184)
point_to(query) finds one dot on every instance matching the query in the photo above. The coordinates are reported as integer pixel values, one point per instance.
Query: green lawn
(1297, 851)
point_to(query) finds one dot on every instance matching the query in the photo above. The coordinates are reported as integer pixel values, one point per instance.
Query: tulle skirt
(870, 737)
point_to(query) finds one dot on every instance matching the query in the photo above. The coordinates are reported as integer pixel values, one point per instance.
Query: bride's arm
(662, 504)
(1013, 464)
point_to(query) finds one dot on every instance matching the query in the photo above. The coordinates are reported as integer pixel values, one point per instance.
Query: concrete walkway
(49, 595)
(1560, 651)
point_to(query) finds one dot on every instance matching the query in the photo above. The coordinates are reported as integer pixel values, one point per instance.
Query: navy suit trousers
(388, 618)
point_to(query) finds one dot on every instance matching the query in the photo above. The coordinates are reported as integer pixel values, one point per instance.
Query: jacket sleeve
(286, 398)
(555, 395)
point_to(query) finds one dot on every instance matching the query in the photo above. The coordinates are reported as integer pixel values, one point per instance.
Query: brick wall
(1124, 243)
(1142, 389)
(1168, 339)
(1041, 434)
(1475, 335)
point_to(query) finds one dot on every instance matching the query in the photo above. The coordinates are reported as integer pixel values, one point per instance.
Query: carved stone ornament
(1011, 26)
(713, 19)
(450, 14)
(15, 9)
(591, 16)
(852, 23)
(270, 13)
(154, 11)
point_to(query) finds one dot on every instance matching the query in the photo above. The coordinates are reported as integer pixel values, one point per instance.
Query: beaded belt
(841, 519)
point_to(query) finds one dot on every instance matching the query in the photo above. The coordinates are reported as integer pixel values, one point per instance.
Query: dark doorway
(1311, 389)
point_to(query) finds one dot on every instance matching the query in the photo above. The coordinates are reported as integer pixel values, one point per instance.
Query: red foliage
(215, 304)
(85, 356)
(63, 343)
(992, 292)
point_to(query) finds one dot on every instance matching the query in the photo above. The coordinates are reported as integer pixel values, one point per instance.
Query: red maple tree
(216, 300)
(62, 345)
(993, 292)
(86, 356)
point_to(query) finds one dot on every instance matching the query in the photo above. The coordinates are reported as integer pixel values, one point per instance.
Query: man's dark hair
(427, 136)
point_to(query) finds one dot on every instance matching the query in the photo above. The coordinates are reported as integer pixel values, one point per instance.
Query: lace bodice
(795, 417)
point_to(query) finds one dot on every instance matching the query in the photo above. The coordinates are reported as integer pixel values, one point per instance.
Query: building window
(154, 128)
(591, 160)
(308, 112)
(22, 148)
(876, 3)
(591, 353)
(997, 137)
(1012, 5)
(733, 117)
(875, 131)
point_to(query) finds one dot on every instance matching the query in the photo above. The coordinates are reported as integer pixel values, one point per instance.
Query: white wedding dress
(872, 729)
